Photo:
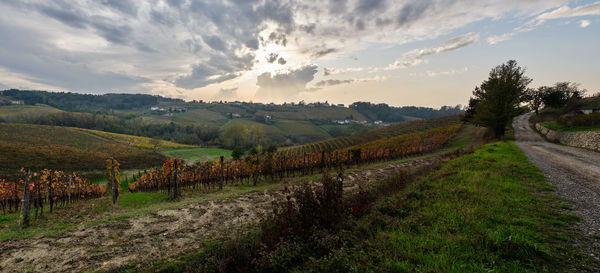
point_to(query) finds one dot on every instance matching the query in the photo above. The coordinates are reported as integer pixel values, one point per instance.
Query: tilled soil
(573, 171)
(158, 235)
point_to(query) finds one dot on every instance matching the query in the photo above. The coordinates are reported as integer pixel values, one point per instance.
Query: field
(65, 148)
(15, 112)
(193, 155)
(135, 141)
(199, 116)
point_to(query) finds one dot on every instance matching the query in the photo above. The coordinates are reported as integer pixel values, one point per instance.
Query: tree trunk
(115, 190)
(222, 175)
(26, 200)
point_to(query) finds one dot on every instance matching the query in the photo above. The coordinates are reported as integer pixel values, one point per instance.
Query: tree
(536, 97)
(235, 135)
(561, 94)
(237, 153)
(500, 97)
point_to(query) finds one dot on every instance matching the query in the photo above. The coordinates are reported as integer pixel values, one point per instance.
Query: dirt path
(162, 234)
(573, 171)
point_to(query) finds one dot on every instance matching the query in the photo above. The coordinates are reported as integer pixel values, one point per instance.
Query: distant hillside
(66, 148)
(203, 123)
(372, 135)
(84, 102)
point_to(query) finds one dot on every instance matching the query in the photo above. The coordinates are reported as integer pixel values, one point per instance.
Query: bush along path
(490, 210)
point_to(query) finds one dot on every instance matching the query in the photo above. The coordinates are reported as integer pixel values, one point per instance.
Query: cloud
(558, 13)
(227, 94)
(415, 57)
(194, 43)
(492, 40)
(332, 82)
(567, 12)
(283, 86)
(323, 52)
(272, 57)
(124, 6)
(217, 69)
(584, 23)
(333, 71)
(29, 53)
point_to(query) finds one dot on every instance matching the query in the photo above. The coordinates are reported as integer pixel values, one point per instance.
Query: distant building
(17, 102)
(236, 115)
(268, 118)
(341, 105)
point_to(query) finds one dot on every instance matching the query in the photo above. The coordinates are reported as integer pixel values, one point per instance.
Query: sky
(399, 52)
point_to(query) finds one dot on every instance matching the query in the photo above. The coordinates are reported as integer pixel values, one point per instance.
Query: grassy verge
(562, 128)
(488, 211)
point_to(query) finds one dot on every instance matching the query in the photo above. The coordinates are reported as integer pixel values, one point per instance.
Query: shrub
(589, 120)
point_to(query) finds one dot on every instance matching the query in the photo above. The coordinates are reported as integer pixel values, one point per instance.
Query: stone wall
(584, 139)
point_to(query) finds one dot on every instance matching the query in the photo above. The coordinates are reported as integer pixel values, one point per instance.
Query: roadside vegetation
(489, 210)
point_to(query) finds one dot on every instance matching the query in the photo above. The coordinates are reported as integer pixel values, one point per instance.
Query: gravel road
(573, 171)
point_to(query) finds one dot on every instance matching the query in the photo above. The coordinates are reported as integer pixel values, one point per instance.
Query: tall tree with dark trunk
(499, 98)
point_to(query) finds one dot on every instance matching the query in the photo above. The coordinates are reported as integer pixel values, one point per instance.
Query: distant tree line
(85, 102)
(388, 113)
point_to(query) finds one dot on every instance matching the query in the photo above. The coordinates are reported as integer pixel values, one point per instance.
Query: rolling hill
(67, 148)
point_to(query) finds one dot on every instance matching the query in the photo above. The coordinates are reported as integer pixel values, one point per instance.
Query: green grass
(197, 154)
(490, 211)
(562, 128)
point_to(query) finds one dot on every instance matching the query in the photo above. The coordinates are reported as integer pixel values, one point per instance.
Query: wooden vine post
(222, 174)
(69, 188)
(176, 191)
(112, 169)
(26, 207)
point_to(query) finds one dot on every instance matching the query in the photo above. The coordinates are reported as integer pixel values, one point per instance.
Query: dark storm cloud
(118, 34)
(64, 13)
(143, 47)
(217, 69)
(215, 43)
(369, 6)
(411, 12)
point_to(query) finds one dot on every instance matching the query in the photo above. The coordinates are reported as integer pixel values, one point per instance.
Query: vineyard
(207, 175)
(48, 187)
(372, 135)
(66, 148)
(55, 188)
